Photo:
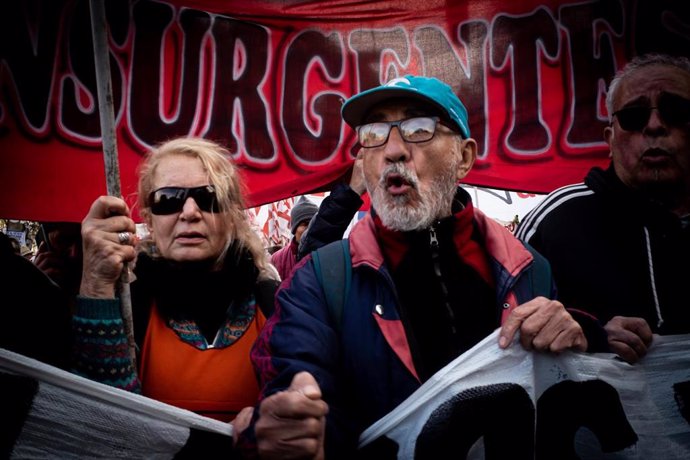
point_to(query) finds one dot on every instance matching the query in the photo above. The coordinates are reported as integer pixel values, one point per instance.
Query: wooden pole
(101, 56)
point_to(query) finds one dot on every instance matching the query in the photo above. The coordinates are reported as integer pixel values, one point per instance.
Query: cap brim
(358, 107)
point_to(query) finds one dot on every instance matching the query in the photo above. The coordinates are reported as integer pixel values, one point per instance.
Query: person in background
(273, 249)
(59, 254)
(619, 243)
(327, 224)
(35, 311)
(285, 258)
(12, 243)
(25, 251)
(430, 277)
(335, 212)
(202, 287)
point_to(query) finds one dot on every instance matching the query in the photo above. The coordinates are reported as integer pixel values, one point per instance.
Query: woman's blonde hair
(223, 175)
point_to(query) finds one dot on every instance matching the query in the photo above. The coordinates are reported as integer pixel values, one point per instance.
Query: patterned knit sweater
(205, 309)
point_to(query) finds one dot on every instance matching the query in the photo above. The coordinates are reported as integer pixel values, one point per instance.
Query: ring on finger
(123, 237)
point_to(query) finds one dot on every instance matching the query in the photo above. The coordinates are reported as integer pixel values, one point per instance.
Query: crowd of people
(219, 331)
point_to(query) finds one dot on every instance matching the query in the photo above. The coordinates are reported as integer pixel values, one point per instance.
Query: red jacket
(285, 259)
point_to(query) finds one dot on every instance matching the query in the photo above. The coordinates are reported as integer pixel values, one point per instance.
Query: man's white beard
(417, 209)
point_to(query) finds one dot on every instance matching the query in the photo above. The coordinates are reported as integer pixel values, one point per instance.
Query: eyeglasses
(169, 200)
(414, 130)
(673, 110)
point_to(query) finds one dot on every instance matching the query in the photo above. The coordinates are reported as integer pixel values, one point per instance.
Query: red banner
(267, 79)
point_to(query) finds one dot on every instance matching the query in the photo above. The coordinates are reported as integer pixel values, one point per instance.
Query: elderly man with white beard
(430, 277)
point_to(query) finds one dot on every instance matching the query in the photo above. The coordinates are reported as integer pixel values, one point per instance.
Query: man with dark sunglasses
(619, 243)
(430, 276)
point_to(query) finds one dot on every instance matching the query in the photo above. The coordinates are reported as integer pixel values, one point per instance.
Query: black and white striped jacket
(614, 252)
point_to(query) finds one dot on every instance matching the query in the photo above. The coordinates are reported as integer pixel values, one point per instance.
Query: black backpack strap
(333, 264)
(540, 274)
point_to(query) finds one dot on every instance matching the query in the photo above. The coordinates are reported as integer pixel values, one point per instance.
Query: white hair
(639, 62)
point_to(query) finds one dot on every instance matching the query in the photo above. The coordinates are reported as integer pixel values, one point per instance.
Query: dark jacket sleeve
(35, 312)
(542, 282)
(283, 349)
(329, 224)
(597, 339)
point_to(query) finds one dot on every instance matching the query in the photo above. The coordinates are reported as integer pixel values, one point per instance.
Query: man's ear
(468, 153)
(608, 137)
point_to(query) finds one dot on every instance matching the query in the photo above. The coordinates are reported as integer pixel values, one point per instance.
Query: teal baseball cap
(426, 89)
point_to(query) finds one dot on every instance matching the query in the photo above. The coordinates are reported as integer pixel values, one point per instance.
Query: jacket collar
(499, 243)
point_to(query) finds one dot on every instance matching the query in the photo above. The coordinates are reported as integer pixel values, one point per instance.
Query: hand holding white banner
(490, 402)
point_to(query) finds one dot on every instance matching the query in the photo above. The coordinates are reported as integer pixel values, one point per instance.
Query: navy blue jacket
(364, 365)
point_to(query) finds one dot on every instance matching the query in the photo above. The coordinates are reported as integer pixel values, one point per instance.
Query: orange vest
(216, 382)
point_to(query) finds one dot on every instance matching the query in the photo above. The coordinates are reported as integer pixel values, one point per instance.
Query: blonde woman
(202, 288)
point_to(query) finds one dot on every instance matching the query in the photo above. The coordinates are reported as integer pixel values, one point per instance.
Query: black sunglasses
(673, 110)
(169, 200)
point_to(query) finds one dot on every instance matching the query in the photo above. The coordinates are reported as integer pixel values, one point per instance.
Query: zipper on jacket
(435, 258)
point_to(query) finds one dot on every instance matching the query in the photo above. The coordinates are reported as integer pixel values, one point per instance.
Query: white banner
(492, 403)
(49, 413)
